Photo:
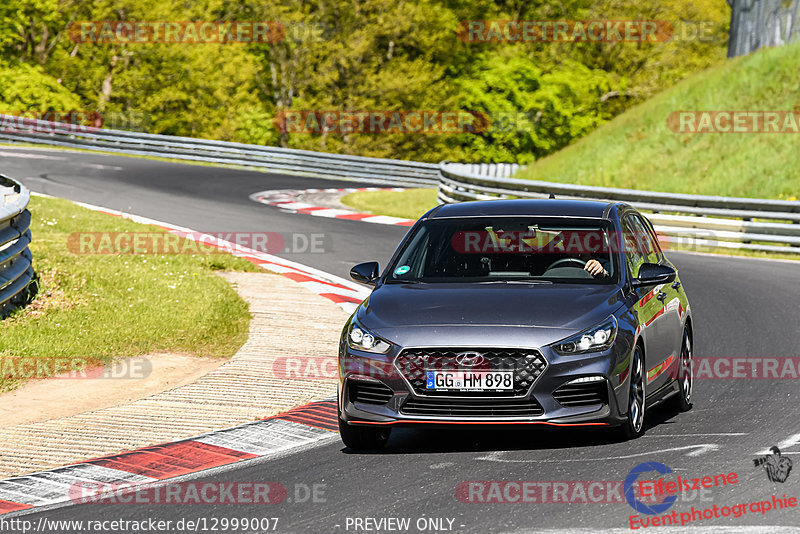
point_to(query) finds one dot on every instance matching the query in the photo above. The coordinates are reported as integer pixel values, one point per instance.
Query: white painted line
(349, 307)
(100, 167)
(495, 456)
(785, 444)
(330, 212)
(26, 155)
(62, 478)
(384, 219)
(695, 435)
(36, 491)
(295, 206)
(711, 447)
(18, 495)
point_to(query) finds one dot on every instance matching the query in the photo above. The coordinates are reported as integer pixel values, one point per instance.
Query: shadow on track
(489, 438)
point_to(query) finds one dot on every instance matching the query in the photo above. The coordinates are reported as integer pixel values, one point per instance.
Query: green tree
(26, 88)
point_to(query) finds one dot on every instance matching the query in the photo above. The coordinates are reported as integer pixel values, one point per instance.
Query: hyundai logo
(470, 359)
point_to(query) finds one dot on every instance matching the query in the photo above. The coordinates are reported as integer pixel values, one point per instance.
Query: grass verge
(409, 204)
(98, 307)
(638, 150)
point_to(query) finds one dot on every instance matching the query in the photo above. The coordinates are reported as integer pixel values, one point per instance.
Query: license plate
(469, 380)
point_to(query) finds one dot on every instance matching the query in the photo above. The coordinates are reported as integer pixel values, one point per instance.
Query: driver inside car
(596, 268)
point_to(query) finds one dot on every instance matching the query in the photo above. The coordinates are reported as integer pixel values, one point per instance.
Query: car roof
(542, 207)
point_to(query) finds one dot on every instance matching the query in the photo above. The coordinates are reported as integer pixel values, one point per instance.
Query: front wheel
(634, 422)
(363, 438)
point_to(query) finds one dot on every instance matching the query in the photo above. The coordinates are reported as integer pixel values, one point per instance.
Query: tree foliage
(379, 55)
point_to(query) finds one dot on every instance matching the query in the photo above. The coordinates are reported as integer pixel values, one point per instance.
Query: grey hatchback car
(549, 312)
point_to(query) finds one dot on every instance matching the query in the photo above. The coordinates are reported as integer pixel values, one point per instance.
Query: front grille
(369, 392)
(527, 365)
(586, 394)
(473, 407)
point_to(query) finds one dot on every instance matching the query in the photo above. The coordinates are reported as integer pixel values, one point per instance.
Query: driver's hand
(594, 268)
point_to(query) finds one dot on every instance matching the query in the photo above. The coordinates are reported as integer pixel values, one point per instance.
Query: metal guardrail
(303, 162)
(728, 222)
(687, 220)
(16, 270)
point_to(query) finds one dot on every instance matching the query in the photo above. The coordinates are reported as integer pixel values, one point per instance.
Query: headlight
(360, 338)
(597, 338)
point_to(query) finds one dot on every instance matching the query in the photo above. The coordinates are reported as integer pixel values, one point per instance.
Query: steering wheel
(580, 263)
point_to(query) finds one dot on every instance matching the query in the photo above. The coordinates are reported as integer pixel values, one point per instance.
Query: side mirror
(651, 274)
(366, 273)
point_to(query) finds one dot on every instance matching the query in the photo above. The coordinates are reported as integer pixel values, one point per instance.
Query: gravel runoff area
(287, 322)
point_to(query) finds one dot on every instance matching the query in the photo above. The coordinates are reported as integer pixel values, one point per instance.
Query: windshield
(506, 249)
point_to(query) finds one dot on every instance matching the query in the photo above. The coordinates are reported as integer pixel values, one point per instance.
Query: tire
(683, 400)
(363, 438)
(633, 427)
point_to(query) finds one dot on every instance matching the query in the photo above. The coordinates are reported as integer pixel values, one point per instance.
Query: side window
(654, 238)
(633, 251)
(648, 246)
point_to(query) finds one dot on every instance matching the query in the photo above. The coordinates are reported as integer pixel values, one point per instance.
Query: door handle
(676, 285)
(661, 296)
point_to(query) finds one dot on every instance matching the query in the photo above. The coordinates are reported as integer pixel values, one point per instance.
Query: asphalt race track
(741, 308)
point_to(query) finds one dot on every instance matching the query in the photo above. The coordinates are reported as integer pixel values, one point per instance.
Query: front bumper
(374, 391)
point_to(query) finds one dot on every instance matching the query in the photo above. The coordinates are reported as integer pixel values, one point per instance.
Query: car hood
(410, 314)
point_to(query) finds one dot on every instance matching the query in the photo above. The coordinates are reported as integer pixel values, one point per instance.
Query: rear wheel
(363, 438)
(683, 400)
(634, 422)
